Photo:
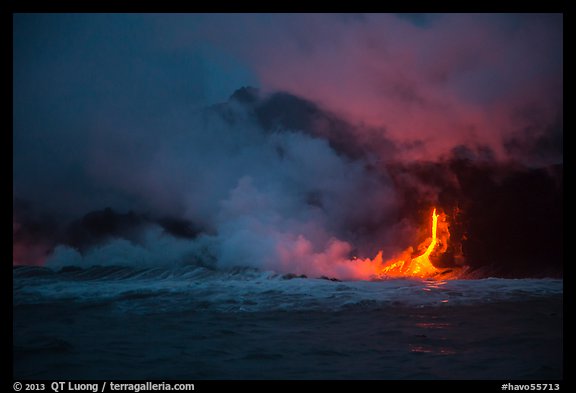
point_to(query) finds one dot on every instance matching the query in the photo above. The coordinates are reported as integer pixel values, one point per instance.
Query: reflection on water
(436, 286)
(433, 325)
(433, 333)
(430, 349)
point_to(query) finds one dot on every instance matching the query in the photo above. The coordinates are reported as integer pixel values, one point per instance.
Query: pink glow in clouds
(461, 79)
(28, 249)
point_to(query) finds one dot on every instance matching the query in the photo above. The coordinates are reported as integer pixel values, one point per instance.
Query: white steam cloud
(282, 200)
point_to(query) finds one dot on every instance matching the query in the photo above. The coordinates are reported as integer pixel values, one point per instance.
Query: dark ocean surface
(197, 323)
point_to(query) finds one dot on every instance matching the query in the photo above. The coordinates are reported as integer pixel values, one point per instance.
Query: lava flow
(419, 266)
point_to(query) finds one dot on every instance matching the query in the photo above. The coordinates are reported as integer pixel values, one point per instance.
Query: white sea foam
(250, 290)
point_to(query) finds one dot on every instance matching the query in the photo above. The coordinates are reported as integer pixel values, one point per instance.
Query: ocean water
(198, 323)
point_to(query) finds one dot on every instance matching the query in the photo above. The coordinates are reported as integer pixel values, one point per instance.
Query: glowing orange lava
(419, 266)
(406, 266)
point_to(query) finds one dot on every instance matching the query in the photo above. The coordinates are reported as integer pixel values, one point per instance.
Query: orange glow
(420, 266)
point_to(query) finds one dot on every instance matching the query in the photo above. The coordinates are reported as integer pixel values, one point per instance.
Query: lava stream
(420, 266)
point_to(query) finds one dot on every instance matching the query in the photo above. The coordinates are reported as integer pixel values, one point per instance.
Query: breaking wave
(252, 290)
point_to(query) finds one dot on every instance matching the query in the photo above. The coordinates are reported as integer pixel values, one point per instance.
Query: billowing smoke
(136, 143)
(235, 185)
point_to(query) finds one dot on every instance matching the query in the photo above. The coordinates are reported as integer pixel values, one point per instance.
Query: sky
(117, 110)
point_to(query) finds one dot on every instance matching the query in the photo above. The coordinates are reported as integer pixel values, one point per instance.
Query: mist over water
(244, 185)
(276, 199)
